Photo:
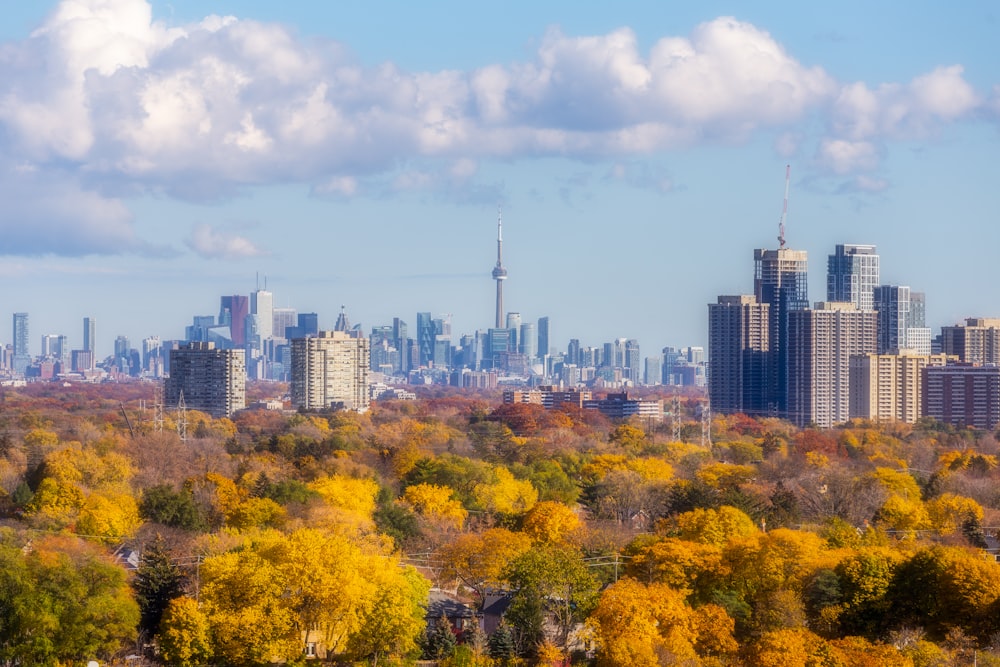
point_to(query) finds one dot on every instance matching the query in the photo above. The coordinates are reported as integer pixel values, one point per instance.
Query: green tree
(60, 600)
(551, 580)
(501, 645)
(440, 640)
(157, 582)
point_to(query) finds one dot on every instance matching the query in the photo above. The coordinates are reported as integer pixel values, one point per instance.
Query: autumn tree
(184, 639)
(479, 561)
(61, 600)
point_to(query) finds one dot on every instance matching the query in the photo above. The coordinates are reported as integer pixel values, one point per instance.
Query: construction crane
(784, 208)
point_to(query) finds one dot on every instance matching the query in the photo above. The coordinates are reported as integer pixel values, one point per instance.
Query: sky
(157, 155)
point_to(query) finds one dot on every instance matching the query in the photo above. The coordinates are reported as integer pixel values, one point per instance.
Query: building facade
(975, 342)
(888, 387)
(738, 349)
(330, 370)
(963, 395)
(781, 280)
(820, 345)
(852, 275)
(212, 380)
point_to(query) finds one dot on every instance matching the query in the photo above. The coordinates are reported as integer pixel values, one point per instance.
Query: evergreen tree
(441, 640)
(157, 582)
(501, 645)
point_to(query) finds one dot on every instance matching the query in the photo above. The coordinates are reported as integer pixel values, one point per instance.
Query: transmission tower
(182, 420)
(675, 419)
(158, 407)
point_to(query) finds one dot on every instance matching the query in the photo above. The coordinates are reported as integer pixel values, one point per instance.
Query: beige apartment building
(330, 370)
(887, 387)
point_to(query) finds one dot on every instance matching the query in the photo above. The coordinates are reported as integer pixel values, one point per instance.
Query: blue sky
(158, 155)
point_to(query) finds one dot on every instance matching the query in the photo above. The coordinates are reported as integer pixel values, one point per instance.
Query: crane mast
(784, 208)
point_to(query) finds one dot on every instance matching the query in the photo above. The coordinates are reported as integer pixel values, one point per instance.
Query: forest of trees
(259, 537)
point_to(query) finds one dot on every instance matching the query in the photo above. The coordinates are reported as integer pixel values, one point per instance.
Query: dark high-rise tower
(781, 281)
(499, 273)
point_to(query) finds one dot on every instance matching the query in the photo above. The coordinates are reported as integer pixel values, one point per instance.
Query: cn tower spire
(499, 273)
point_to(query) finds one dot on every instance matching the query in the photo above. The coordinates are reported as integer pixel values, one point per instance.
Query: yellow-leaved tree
(506, 495)
(436, 504)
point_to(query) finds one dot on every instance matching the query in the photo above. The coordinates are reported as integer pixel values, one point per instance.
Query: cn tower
(499, 273)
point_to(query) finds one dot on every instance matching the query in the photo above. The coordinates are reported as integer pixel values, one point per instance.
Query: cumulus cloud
(211, 243)
(200, 111)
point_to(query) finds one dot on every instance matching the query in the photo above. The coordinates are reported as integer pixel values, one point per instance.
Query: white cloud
(842, 156)
(213, 244)
(100, 91)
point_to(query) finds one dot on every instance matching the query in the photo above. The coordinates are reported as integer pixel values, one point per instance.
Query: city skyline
(637, 151)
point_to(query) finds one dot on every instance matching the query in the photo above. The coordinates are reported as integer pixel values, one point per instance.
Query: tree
(393, 623)
(157, 582)
(550, 522)
(436, 504)
(506, 495)
(501, 644)
(441, 640)
(710, 526)
(184, 639)
(60, 600)
(554, 580)
(177, 509)
(637, 625)
(479, 561)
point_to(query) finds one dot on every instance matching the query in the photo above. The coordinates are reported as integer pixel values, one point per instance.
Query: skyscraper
(211, 379)
(527, 341)
(425, 337)
(262, 309)
(543, 337)
(738, 350)
(852, 275)
(820, 345)
(781, 281)
(90, 340)
(901, 320)
(282, 319)
(21, 358)
(499, 272)
(330, 370)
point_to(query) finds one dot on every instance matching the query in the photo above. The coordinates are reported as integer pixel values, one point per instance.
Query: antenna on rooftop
(784, 208)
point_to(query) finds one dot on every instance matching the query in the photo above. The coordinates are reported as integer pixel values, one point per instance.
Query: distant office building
(820, 345)
(514, 324)
(573, 352)
(82, 361)
(887, 387)
(975, 342)
(262, 310)
(652, 371)
(21, 359)
(212, 380)
(543, 337)
(528, 341)
(738, 349)
(308, 325)
(282, 319)
(152, 356)
(330, 370)
(852, 275)
(425, 338)
(963, 395)
(901, 320)
(632, 360)
(781, 280)
(55, 347)
(233, 312)
(90, 336)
